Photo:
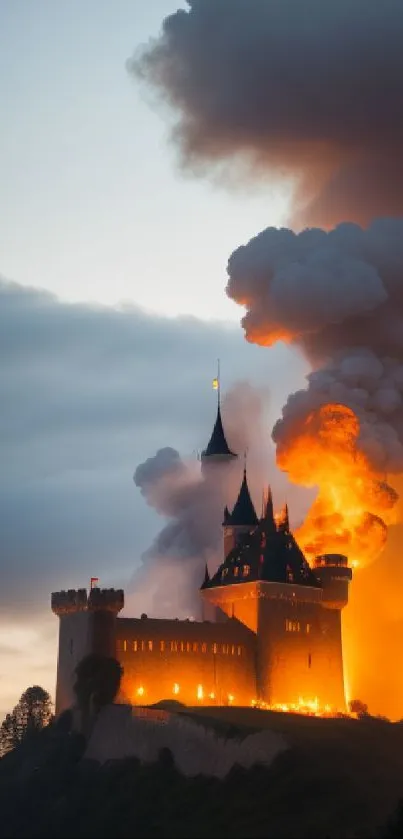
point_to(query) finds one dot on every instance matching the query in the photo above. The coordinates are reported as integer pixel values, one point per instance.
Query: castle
(271, 628)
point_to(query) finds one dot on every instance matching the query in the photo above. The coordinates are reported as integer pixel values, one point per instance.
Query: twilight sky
(104, 242)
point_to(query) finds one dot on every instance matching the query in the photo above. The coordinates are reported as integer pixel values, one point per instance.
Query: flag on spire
(216, 381)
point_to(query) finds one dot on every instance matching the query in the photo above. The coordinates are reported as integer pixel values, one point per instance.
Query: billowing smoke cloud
(339, 297)
(173, 567)
(307, 90)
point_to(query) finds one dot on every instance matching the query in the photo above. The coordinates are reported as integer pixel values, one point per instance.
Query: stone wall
(192, 662)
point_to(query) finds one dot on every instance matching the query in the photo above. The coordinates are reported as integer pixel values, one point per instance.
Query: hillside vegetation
(339, 778)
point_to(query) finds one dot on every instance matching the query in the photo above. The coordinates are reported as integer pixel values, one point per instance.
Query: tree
(97, 684)
(9, 736)
(34, 710)
(32, 713)
(356, 706)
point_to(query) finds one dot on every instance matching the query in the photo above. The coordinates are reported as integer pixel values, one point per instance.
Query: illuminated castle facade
(271, 632)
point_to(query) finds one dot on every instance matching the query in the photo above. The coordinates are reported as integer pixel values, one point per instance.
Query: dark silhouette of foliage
(97, 682)
(356, 706)
(31, 714)
(9, 734)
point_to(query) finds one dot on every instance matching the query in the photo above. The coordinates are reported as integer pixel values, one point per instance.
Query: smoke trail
(304, 90)
(172, 569)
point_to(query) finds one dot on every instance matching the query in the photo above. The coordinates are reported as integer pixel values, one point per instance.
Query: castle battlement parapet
(335, 574)
(106, 600)
(77, 600)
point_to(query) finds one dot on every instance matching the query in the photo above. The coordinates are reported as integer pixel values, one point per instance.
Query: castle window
(236, 571)
(124, 646)
(135, 646)
(162, 646)
(225, 649)
(174, 647)
(195, 646)
(239, 650)
(245, 570)
(204, 648)
(308, 628)
(233, 649)
(143, 646)
(182, 647)
(292, 626)
(150, 646)
(188, 646)
(215, 648)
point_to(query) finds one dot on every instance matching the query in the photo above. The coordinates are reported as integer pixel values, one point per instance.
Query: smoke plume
(339, 297)
(172, 569)
(309, 91)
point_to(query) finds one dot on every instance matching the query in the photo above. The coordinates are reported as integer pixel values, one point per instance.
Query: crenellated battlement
(335, 574)
(106, 600)
(77, 600)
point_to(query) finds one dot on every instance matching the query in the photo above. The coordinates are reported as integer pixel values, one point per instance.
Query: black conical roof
(206, 577)
(268, 514)
(244, 512)
(217, 443)
(269, 555)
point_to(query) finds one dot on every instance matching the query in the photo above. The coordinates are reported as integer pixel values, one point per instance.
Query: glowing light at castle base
(308, 707)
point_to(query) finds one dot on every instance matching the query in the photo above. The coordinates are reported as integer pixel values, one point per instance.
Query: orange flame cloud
(354, 504)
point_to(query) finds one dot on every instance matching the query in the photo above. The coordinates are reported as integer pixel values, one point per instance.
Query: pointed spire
(244, 512)
(206, 577)
(269, 509)
(227, 516)
(217, 446)
(284, 521)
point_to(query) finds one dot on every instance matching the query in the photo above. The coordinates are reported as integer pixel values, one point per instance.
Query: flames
(354, 504)
(309, 707)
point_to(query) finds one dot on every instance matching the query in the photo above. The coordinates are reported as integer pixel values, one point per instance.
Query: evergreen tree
(34, 710)
(9, 735)
(31, 714)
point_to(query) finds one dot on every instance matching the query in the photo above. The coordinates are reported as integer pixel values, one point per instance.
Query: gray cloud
(309, 91)
(87, 394)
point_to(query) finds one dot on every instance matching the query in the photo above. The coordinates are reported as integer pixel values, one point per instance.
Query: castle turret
(87, 625)
(242, 520)
(268, 520)
(334, 574)
(217, 450)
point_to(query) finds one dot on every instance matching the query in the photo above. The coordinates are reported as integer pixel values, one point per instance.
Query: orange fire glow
(309, 707)
(354, 504)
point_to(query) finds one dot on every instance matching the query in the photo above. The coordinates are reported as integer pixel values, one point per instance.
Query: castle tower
(242, 520)
(217, 450)
(87, 625)
(266, 583)
(334, 573)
